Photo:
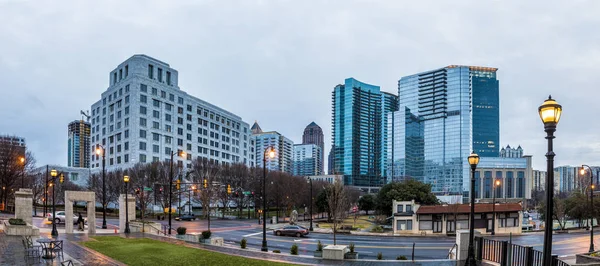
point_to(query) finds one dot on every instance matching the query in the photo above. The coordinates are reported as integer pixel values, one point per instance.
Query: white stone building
(283, 146)
(143, 116)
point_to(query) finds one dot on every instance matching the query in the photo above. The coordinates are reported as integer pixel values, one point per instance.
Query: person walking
(80, 222)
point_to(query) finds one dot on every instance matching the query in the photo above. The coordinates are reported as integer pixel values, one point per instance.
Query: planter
(332, 252)
(318, 254)
(20, 230)
(351, 256)
(586, 258)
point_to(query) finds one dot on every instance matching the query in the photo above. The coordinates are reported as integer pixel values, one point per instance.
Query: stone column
(68, 215)
(91, 215)
(462, 242)
(24, 205)
(131, 206)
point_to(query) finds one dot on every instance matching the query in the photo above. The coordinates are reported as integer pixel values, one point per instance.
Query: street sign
(147, 189)
(246, 193)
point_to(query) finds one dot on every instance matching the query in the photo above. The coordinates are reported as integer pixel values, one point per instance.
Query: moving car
(291, 230)
(186, 217)
(61, 216)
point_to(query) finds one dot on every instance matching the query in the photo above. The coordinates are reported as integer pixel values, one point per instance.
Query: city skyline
(40, 73)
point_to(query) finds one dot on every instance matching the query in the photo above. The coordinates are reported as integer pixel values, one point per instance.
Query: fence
(506, 254)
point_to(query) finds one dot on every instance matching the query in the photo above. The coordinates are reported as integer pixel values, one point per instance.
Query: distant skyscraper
(358, 110)
(11, 146)
(539, 180)
(79, 144)
(283, 146)
(389, 105)
(307, 159)
(330, 160)
(313, 134)
(444, 114)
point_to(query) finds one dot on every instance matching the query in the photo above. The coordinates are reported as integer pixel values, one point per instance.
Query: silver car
(61, 216)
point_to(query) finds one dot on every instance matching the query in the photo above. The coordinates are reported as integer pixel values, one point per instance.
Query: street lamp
(190, 198)
(311, 204)
(126, 180)
(61, 179)
(270, 152)
(550, 112)
(591, 204)
(496, 185)
(181, 154)
(473, 161)
(100, 150)
(22, 160)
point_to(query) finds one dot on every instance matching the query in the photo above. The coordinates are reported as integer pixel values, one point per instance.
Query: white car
(61, 216)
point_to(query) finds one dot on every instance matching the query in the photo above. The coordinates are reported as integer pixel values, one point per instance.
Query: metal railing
(507, 254)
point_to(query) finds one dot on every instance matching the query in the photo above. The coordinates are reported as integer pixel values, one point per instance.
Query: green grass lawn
(144, 251)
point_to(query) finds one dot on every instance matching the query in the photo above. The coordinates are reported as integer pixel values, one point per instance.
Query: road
(428, 247)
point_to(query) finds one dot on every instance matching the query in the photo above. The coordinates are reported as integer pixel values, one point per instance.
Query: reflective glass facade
(433, 129)
(486, 113)
(358, 114)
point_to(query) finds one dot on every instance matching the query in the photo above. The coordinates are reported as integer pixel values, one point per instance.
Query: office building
(539, 180)
(331, 160)
(76, 175)
(143, 116)
(79, 144)
(261, 140)
(389, 105)
(12, 146)
(313, 134)
(442, 116)
(331, 179)
(509, 152)
(569, 178)
(307, 160)
(358, 110)
(514, 174)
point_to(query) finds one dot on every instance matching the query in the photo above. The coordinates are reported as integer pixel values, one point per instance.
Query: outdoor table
(47, 245)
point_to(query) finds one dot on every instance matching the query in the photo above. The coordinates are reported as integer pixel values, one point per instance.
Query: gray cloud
(278, 61)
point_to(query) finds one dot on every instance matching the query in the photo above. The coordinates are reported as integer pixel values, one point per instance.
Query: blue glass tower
(442, 116)
(359, 110)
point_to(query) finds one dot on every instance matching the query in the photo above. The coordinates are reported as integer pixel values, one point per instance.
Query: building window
(151, 71)
(142, 158)
(155, 149)
(142, 133)
(159, 74)
(402, 225)
(143, 98)
(168, 78)
(156, 114)
(400, 208)
(142, 146)
(126, 70)
(143, 110)
(143, 88)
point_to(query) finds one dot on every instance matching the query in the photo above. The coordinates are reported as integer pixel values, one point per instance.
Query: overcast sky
(278, 61)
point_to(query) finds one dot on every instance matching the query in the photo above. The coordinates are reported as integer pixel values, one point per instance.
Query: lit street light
(591, 204)
(550, 112)
(473, 161)
(270, 152)
(126, 180)
(496, 185)
(61, 179)
(100, 150)
(181, 154)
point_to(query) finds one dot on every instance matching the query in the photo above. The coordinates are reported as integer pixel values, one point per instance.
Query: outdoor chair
(67, 263)
(57, 247)
(30, 243)
(31, 252)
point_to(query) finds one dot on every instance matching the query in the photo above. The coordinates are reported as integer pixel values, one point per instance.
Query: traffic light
(137, 191)
(178, 186)
(160, 190)
(205, 183)
(228, 189)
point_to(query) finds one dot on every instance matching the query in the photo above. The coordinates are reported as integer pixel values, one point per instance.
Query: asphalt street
(426, 247)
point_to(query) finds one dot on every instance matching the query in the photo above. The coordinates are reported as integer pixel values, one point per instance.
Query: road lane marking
(253, 234)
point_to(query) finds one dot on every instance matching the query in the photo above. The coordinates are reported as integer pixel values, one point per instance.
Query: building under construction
(79, 144)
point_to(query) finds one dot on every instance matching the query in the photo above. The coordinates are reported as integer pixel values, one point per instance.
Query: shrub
(319, 246)
(401, 257)
(181, 230)
(206, 234)
(276, 251)
(294, 249)
(351, 246)
(377, 229)
(379, 256)
(243, 243)
(16, 221)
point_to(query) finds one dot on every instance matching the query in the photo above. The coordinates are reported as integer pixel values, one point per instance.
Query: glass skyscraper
(442, 116)
(359, 110)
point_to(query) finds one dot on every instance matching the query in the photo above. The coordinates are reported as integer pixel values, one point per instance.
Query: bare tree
(207, 173)
(337, 200)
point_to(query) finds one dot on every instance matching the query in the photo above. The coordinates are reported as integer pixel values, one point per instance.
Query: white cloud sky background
(278, 61)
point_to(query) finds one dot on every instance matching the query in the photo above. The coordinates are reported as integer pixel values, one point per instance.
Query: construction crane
(86, 114)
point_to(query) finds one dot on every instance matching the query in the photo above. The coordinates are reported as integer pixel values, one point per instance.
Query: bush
(319, 246)
(206, 234)
(243, 243)
(379, 256)
(401, 257)
(294, 249)
(351, 246)
(276, 251)
(377, 229)
(15, 221)
(181, 230)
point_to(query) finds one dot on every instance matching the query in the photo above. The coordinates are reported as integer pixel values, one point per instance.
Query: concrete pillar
(131, 206)
(24, 205)
(68, 215)
(91, 216)
(462, 242)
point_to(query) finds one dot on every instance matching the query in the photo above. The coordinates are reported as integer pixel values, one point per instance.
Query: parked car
(186, 217)
(61, 216)
(291, 230)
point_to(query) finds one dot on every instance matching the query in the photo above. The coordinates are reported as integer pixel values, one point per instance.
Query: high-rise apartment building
(307, 160)
(79, 144)
(569, 178)
(331, 161)
(144, 116)
(358, 110)
(11, 146)
(539, 180)
(442, 116)
(313, 134)
(283, 146)
(389, 105)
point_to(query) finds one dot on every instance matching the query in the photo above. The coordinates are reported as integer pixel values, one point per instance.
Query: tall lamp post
(101, 150)
(311, 204)
(473, 161)
(270, 152)
(179, 153)
(61, 179)
(550, 112)
(190, 198)
(496, 185)
(591, 204)
(126, 180)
